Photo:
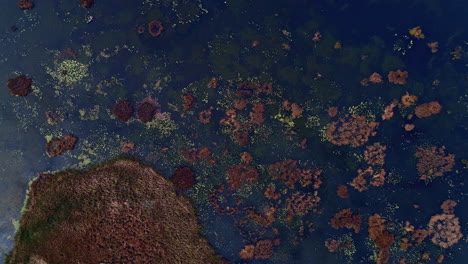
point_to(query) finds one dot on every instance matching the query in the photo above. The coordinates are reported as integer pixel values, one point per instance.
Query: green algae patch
(119, 212)
(69, 72)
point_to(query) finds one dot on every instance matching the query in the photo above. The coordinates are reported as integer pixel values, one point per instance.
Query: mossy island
(119, 212)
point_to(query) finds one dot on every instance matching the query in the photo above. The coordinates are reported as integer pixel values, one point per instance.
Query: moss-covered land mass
(120, 212)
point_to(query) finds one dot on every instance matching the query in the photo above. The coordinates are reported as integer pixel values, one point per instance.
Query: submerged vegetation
(297, 136)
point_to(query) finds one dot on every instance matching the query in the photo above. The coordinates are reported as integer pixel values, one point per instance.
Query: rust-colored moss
(120, 212)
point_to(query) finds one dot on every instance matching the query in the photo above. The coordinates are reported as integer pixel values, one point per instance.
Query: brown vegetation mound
(86, 3)
(397, 77)
(427, 109)
(377, 178)
(238, 174)
(147, 109)
(408, 99)
(345, 218)
(332, 111)
(57, 146)
(25, 4)
(375, 78)
(205, 116)
(375, 154)
(263, 249)
(256, 115)
(446, 230)
(183, 178)
(20, 86)
(342, 191)
(354, 131)
(187, 101)
(301, 204)
(432, 162)
(122, 110)
(288, 171)
(381, 237)
(120, 212)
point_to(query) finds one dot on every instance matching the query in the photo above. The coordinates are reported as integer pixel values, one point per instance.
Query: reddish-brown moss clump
(332, 245)
(409, 127)
(187, 101)
(375, 154)
(247, 252)
(183, 178)
(288, 171)
(342, 191)
(301, 204)
(354, 131)
(147, 109)
(191, 155)
(427, 109)
(360, 182)
(388, 110)
(246, 157)
(345, 218)
(242, 138)
(146, 112)
(256, 115)
(86, 3)
(238, 174)
(397, 77)
(20, 86)
(25, 4)
(127, 147)
(419, 235)
(296, 110)
(120, 212)
(240, 104)
(448, 206)
(265, 218)
(381, 237)
(375, 78)
(332, 111)
(247, 88)
(57, 146)
(230, 120)
(445, 227)
(123, 110)
(205, 116)
(213, 83)
(263, 249)
(432, 162)
(270, 193)
(155, 28)
(408, 99)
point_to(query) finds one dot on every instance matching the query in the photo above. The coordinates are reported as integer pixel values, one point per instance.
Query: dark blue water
(205, 39)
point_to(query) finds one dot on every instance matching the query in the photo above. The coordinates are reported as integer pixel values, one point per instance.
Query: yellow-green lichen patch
(89, 114)
(68, 72)
(162, 125)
